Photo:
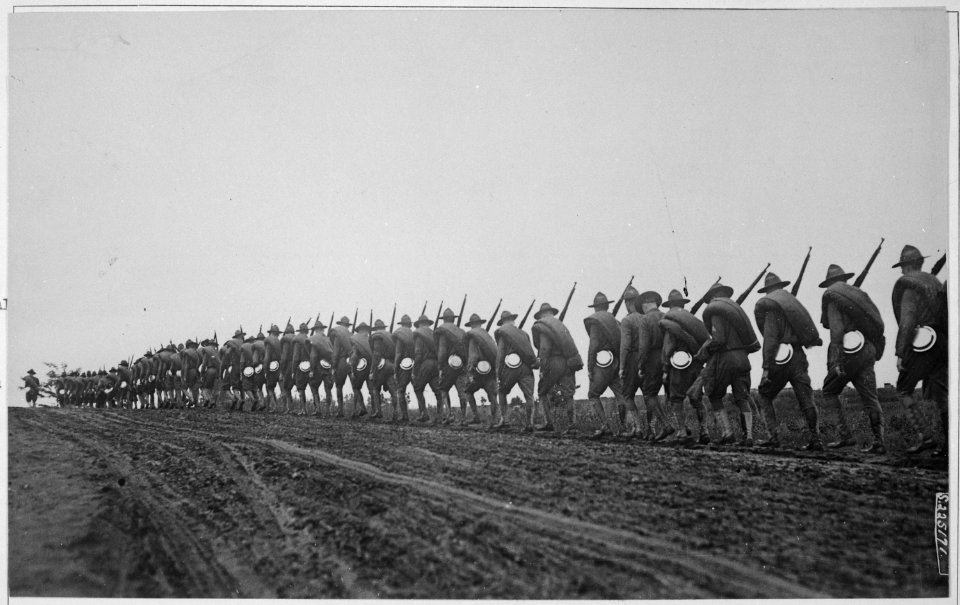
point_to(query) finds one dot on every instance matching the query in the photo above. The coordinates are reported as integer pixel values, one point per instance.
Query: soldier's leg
(767, 393)
(833, 385)
(803, 389)
(915, 370)
(551, 371)
(741, 395)
(461, 388)
(865, 382)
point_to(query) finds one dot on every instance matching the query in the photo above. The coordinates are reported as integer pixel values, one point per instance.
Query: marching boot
(700, 409)
(622, 412)
(918, 426)
(846, 437)
(746, 420)
(878, 446)
(472, 400)
(770, 419)
(602, 415)
(666, 429)
(813, 423)
(548, 416)
(724, 422)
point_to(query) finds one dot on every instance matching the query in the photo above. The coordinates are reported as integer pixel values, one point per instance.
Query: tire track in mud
(605, 541)
(196, 570)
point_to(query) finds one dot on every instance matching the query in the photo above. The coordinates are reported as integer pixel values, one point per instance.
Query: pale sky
(175, 173)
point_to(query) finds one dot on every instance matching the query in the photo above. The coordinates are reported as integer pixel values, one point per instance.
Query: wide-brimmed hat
(599, 300)
(318, 325)
(720, 290)
(835, 274)
(675, 299)
(274, 329)
(113, 370)
(448, 315)
(506, 316)
(289, 329)
(205, 342)
(405, 320)
(363, 326)
(423, 321)
(345, 322)
(545, 308)
(31, 372)
(239, 334)
(909, 255)
(304, 328)
(771, 282)
(124, 363)
(379, 325)
(190, 342)
(630, 293)
(650, 297)
(474, 320)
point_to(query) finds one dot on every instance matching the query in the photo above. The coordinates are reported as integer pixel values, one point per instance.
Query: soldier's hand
(666, 378)
(765, 377)
(900, 366)
(536, 364)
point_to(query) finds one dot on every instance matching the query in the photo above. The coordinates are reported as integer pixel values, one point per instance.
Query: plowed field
(204, 503)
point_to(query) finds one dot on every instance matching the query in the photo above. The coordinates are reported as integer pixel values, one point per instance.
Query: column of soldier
(694, 361)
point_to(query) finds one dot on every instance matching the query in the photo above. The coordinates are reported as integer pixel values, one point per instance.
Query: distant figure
(603, 363)
(559, 362)
(383, 372)
(482, 369)
(425, 370)
(271, 362)
(32, 385)
(683, 335)
(341, 343)
(300, 365)
(452, 359)
(403, 362)
(649, 348)
(361, 357)
(321, 366)
(516, 362)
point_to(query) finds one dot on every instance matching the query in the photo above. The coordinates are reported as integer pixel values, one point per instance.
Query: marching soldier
(248, 375)
(516, 362)
(32, 385)
(404, 351)
(649, 347)
(231, 362)
(151, 380)
(451, 356)
(210, 370)
(425, 370)
(787, 329)
(559, 362)
(110, 385)
(683, 335)
(271, 363)
(61, 389)
(321, 366)
(920, 306)
(603, 362)
(630, 362)
(126, 383)
(856, 343)
(300, 365)
(731, 339)
(342, 345)
(382, 375)
(190, 358)
(481, 369)
(360, 359)
(286, 367)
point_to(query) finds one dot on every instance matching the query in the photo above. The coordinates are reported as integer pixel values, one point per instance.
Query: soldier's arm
(546, 347)
(772, 330)
(594, 346)
(419, 352)
(837, 329)
(626, 338)
(644, 342)
(908, 321)
(473, 355)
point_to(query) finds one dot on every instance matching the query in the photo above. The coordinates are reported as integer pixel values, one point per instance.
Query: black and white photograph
(480, 302)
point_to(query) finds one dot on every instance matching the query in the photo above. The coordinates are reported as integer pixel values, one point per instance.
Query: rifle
(462, 307)
(616, 307)
(866, 269)
(316, 322)
(393, 317)
(439, 310)
(330, 326)
(424, 311)
(490, 321)
(753, 285)
(353, 330)
(939, 264)
(566, 305)
(803, 268)
(527, 314)
(703, 299)
(371, 319)
(261, 329)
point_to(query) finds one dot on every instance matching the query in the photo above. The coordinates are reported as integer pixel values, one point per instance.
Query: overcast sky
(172, 174)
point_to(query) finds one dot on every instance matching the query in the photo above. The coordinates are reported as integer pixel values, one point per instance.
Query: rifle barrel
(566, 305)
(527, 314)
(803, 269)
(866, 270)
(752, 285)
(492, 317)
(939, 264)
(462, 307)
(616, 307)
(393, 317)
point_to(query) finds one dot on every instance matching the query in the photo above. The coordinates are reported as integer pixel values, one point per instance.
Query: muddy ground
(203, 503)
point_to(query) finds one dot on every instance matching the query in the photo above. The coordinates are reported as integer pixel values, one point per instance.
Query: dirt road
(145, 503)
